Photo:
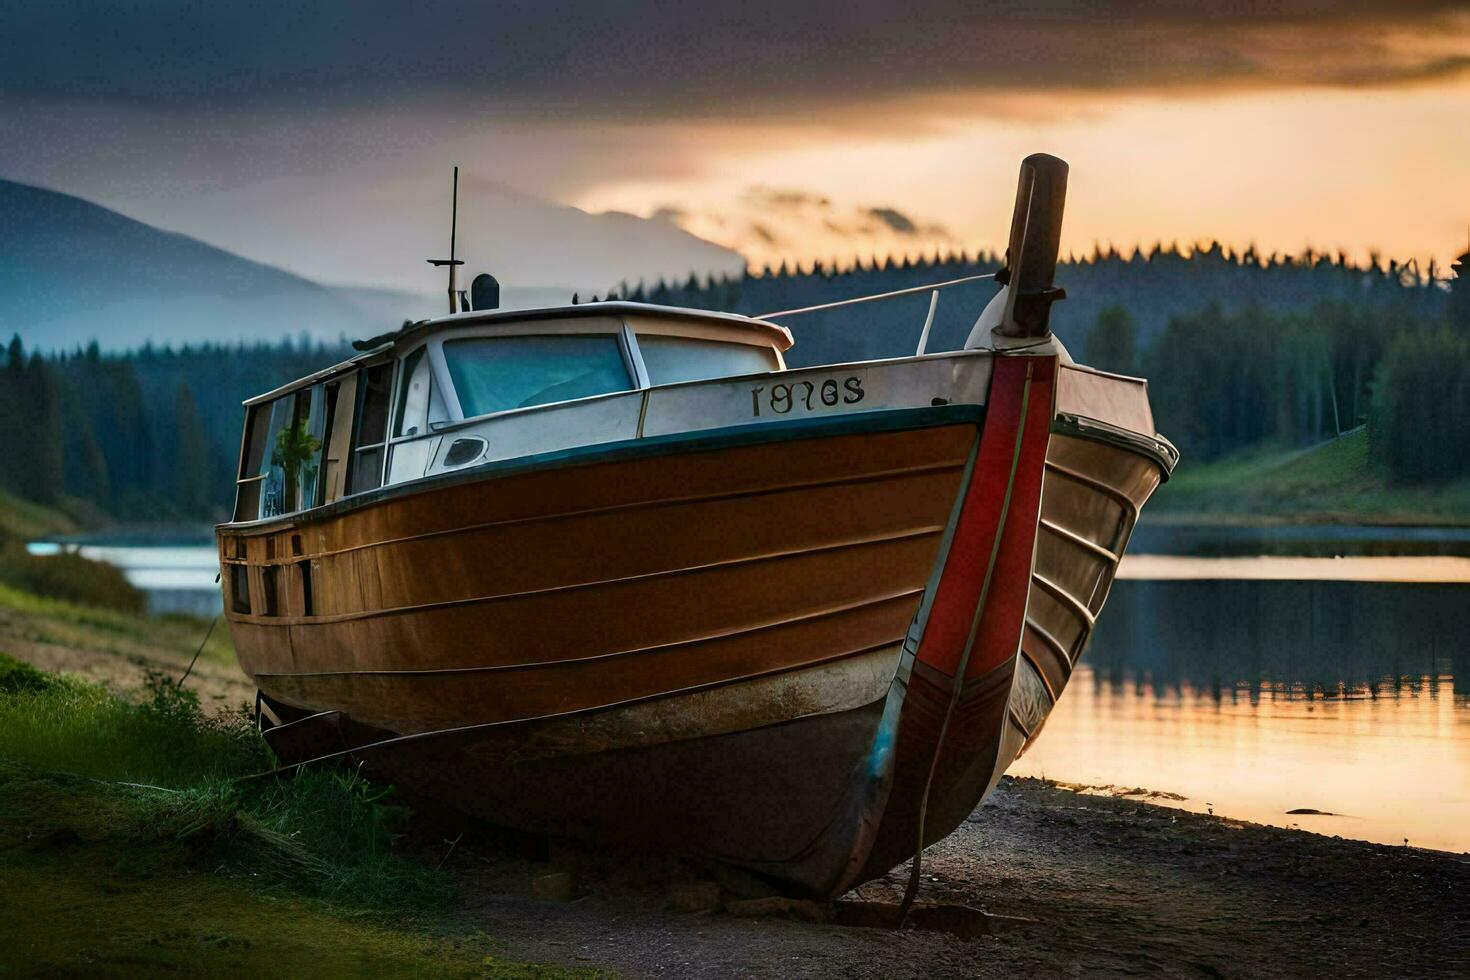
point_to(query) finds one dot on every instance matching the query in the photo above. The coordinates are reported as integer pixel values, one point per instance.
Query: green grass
(67, 725)
(168, 775)
(136, 836)
(1335, 481)
(22, 520)
(67, 911)
(61, 917)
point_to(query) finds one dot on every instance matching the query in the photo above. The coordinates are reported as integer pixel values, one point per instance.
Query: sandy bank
(1115, 887)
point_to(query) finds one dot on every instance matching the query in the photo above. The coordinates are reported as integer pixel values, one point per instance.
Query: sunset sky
(783, 129)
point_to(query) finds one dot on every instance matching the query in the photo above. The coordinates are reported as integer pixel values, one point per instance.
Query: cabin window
(498, 374)
(291, 457)
(418, 402)
(374, 390)
(273, 495)
(320, 405)
(250, 480)
(670, 359)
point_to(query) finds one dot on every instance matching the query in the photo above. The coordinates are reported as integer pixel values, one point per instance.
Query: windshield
(672, 359)
(497, 374)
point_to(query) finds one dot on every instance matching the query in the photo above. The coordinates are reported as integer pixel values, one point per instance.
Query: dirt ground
(1114, 886)
(1111, 886)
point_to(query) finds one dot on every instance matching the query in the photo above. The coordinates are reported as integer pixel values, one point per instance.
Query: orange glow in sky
(1370, 169)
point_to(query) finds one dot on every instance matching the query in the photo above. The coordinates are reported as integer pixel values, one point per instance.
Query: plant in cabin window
(295, 453)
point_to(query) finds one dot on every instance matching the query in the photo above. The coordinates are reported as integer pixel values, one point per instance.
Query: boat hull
(800, 650)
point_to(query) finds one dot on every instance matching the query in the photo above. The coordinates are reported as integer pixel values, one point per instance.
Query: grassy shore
(22, 520)
(137, 835)
(1334, 482)
(133, 838)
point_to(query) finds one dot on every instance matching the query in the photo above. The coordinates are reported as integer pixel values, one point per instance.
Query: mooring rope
(207, 634)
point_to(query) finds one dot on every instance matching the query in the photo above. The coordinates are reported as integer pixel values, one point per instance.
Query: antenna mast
(452, 262)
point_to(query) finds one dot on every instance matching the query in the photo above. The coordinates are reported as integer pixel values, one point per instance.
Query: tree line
(1155, 285)
(1241, 350)
(150, 435)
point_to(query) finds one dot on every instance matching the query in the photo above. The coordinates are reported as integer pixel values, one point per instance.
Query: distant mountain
(529, 242)
(72, 271)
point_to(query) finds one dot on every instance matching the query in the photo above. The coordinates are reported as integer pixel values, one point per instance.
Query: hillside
(72, 271)
(1333, 482)
(22, 520)
(531, 243)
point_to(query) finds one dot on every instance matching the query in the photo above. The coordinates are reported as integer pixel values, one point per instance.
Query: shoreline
(1073, 885)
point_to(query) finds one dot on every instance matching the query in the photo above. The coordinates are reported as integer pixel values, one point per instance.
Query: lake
(1261, 696)
(1249, 671)
(178, 576)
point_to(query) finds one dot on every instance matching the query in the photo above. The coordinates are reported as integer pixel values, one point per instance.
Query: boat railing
(932, 289)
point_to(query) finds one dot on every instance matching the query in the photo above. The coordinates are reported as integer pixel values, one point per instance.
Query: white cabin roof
(773, 333)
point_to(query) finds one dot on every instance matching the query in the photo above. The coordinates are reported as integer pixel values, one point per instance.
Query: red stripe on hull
(968, 564)
(999, 636)
(951, 728)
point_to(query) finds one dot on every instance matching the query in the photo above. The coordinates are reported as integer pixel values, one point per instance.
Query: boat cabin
(451, 392)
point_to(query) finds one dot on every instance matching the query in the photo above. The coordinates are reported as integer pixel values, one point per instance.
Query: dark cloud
(764, 234)
(895, 220)
(1424, 71)
(784, 198)
(625, 58)
(801, 205)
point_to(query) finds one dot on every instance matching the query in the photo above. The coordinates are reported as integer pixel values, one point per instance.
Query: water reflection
(1260, 697)
(1318, 639)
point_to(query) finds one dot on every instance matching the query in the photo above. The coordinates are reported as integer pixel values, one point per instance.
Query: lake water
(1331, 674)
(178, 577)
(1255, 697)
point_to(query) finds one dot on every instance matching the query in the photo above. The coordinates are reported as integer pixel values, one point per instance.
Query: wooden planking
(1047, 655)
(1082, 509)
(405, 702)
(560, 492)
(1130, 474)
(609, 578)
(609, 618)
(1070, 566)
(604, 547)
(840, 684)
(1080, 518)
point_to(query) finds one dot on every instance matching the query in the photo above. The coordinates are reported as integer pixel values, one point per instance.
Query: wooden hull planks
(802, 654)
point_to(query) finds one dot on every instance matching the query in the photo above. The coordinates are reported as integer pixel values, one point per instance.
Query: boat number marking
(806, 395)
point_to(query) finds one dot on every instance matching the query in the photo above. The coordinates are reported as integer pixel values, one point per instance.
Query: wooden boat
(612, 570)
